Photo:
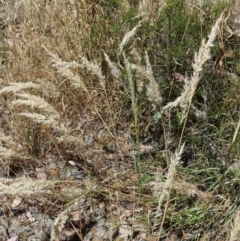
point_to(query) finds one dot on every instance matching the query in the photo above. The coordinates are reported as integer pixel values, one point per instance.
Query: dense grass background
(87, 81)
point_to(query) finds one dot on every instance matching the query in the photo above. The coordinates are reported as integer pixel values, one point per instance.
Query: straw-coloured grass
(92, 87)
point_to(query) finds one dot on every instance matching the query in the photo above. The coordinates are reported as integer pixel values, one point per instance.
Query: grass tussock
(139, 97)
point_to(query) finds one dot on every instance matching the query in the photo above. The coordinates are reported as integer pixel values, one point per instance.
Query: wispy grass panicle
(153, 92)
(7, 140)
(115, 71)
(94, 69)
(190, 85)
(27, 187)
(161, 4)
(137, 59)
(128, 36)
(10, 149)
(53, 123)
(145, 8)
(64, 69)
(174, 161)
(48, 88)
(140, 74)
(49, 120)
(17, 87)
(49, 116)
(36, 102)
(149, 10)
(235, 231)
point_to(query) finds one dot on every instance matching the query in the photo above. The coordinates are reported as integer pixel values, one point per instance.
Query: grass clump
(142, 98)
